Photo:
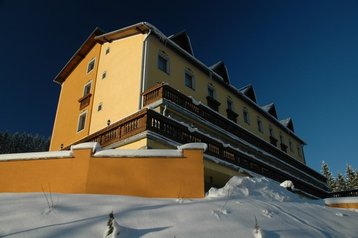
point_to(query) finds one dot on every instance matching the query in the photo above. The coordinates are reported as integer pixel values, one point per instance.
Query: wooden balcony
(85, 101)
(149, 120)
(231, 115)
(273, 141)
(213, 103)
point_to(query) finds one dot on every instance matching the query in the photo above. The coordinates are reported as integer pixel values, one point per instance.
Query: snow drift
(244, 207)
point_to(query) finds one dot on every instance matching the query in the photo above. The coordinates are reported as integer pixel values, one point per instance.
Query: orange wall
(68, 108)
(176, 177)
(66, 175)
(344, 205)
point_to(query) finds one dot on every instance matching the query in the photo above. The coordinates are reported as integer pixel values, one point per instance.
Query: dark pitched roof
(182, 39)
(249, 92)
(271, 109)
(221, 69)
(288, 123)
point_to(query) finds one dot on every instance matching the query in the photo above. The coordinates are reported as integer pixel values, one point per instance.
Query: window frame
(189, 73)
(165, 57)
(260, 125)
(89, 67)
(85, 87)
(104, 74)
(246, 115)
(81, 124)
(211, 91)
(229, 104)
(99, 107)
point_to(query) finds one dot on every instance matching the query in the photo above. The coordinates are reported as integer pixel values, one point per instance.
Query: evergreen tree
(22, 142)
(354, 181)
(327, 173)
(350, 177)
(340, 184)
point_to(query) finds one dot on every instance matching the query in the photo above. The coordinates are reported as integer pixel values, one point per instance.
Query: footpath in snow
(244, 207)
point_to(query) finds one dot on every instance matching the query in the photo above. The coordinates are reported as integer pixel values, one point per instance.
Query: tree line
(341, 182)
(22, 142)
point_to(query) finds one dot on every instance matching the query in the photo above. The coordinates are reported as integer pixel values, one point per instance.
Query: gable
(182, 39)
(221, 69)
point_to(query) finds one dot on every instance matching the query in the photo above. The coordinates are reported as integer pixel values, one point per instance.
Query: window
(211, 92)
(189, 80)
(163, 62)
(281, 139)
(259, 125)
(87, 89)
(90, 66)
(99, 107)
(246, 115)
(107, 50)
(299, 151)
(81, 122)
(231, 115)
(229, 105)
(271, 131)
(104, 74)
(290, 145)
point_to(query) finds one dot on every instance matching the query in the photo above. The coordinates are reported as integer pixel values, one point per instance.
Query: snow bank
(259, 187)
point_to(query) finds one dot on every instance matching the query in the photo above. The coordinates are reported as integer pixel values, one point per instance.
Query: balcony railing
(120, 130)
(149, 120)
(164, 91)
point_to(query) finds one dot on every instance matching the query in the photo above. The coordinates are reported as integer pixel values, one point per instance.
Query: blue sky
(301, 55)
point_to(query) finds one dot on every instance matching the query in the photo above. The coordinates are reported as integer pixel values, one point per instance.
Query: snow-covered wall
(86, 168)
(342, 202)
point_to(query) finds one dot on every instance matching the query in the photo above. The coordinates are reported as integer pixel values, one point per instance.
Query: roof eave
(78, 56)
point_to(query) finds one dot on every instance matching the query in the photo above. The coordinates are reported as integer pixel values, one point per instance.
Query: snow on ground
(240, 209)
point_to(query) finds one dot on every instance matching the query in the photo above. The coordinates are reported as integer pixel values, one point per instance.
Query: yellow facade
(117, 89)
(65, 131)
(175, 78)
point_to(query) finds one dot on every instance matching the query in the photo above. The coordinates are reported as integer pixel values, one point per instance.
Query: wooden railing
(120, 130)
(149, 120)
(164, 91)
(348, 193)
(272, 168)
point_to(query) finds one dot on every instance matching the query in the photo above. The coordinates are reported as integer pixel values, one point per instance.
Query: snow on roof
(193, 146)
(249, 92)
(271, 109)
(36, 155)
(288, 123)
(183, 40)
(95, 146)
(330, 201)
(150, 152)
(222, 70)
(138, 153)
